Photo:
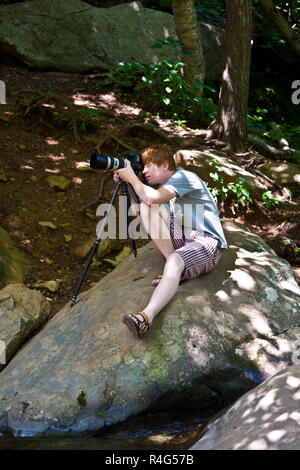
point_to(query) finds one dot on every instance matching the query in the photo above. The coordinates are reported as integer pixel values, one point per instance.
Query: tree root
(38, 98)
(112, 136)
(100, 195)
(269, 151)
(145, 127)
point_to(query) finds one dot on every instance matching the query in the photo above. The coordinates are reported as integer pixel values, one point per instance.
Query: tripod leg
(98, 239)
(135, 197)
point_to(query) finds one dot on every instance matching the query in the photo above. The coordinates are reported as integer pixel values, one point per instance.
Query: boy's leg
(154, 219)
(167, 286)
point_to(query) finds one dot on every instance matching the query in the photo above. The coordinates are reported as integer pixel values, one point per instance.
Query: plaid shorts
(199, 251)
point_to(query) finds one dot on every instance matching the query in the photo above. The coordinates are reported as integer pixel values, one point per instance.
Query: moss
(82, 399)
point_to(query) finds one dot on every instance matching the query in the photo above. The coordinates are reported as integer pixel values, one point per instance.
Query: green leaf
(166, 100)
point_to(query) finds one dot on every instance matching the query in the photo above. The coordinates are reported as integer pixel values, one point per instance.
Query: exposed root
(131, 128)
(31, 99)
(269, 151)
(100, 195)
(111, 136)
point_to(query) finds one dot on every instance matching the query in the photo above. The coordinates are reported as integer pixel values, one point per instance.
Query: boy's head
(159, 154)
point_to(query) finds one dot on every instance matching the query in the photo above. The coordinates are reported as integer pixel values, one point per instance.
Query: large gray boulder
(75, 36)
(204, 162)
(266, 418)
(221, 335)
(22, 311)
(13, 263)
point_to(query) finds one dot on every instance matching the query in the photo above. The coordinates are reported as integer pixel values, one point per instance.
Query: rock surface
(266, 418)
(221, 335)
(22, 311)
(285, 174)
(200, 163)
(75, 36)
(13, 264)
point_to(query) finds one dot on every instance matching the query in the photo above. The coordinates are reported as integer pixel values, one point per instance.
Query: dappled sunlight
(85, 100)
(265, 418)
(257, 320)
(243, 279)
(135, 6)
(26, 167)
(106, 101)
(47, 105)
(241, 313)
(51, 141)
(54, 158)
(77, 180)
(49, 170)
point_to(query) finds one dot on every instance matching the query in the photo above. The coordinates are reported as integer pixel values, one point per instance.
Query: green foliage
(270, 200)
(82, 399)
(164, 90)
(210, 10)
(101, 414)
(240, 189)
(85, 116)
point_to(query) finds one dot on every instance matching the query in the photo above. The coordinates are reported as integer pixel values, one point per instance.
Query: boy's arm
(146, 193)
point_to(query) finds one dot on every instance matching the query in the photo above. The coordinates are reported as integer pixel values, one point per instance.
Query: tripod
(126, 187)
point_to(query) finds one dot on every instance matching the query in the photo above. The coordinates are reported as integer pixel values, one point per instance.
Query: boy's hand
(126, 174)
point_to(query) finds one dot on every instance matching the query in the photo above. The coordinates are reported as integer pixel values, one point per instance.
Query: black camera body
(102, 162)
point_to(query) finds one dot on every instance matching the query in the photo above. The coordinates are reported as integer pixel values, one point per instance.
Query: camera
(102, 162)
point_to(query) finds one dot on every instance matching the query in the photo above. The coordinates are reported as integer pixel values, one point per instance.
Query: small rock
(82, 249)
(58, 182)
(68, 237)
(50, 285)
(90, 215)
(3, 176)
(83, 166)
(48, 224)
(121, 256)
(106, 246)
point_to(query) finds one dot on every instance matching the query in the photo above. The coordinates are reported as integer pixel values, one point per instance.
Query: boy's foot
(138, 324)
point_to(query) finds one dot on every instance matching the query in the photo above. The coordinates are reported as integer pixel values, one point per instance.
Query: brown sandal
(138, 326)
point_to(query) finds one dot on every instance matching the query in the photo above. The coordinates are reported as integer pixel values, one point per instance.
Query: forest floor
(40, 138)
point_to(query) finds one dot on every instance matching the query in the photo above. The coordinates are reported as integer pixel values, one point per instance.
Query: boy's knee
(175, 262)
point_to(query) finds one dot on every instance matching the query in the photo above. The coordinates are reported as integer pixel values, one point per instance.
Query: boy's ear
(165, 165)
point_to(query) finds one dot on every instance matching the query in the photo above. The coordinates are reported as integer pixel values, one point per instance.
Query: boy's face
(155, 174)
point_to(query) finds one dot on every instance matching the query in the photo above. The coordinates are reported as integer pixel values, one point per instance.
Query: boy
(190, 238)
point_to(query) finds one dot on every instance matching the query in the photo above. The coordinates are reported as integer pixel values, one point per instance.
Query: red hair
(159, 154)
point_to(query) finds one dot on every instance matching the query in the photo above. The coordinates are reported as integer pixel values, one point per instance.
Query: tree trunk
(188, 32)
(230, 124)
(280, 22)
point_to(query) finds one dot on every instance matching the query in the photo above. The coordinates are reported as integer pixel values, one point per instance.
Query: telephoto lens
(101, 162)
